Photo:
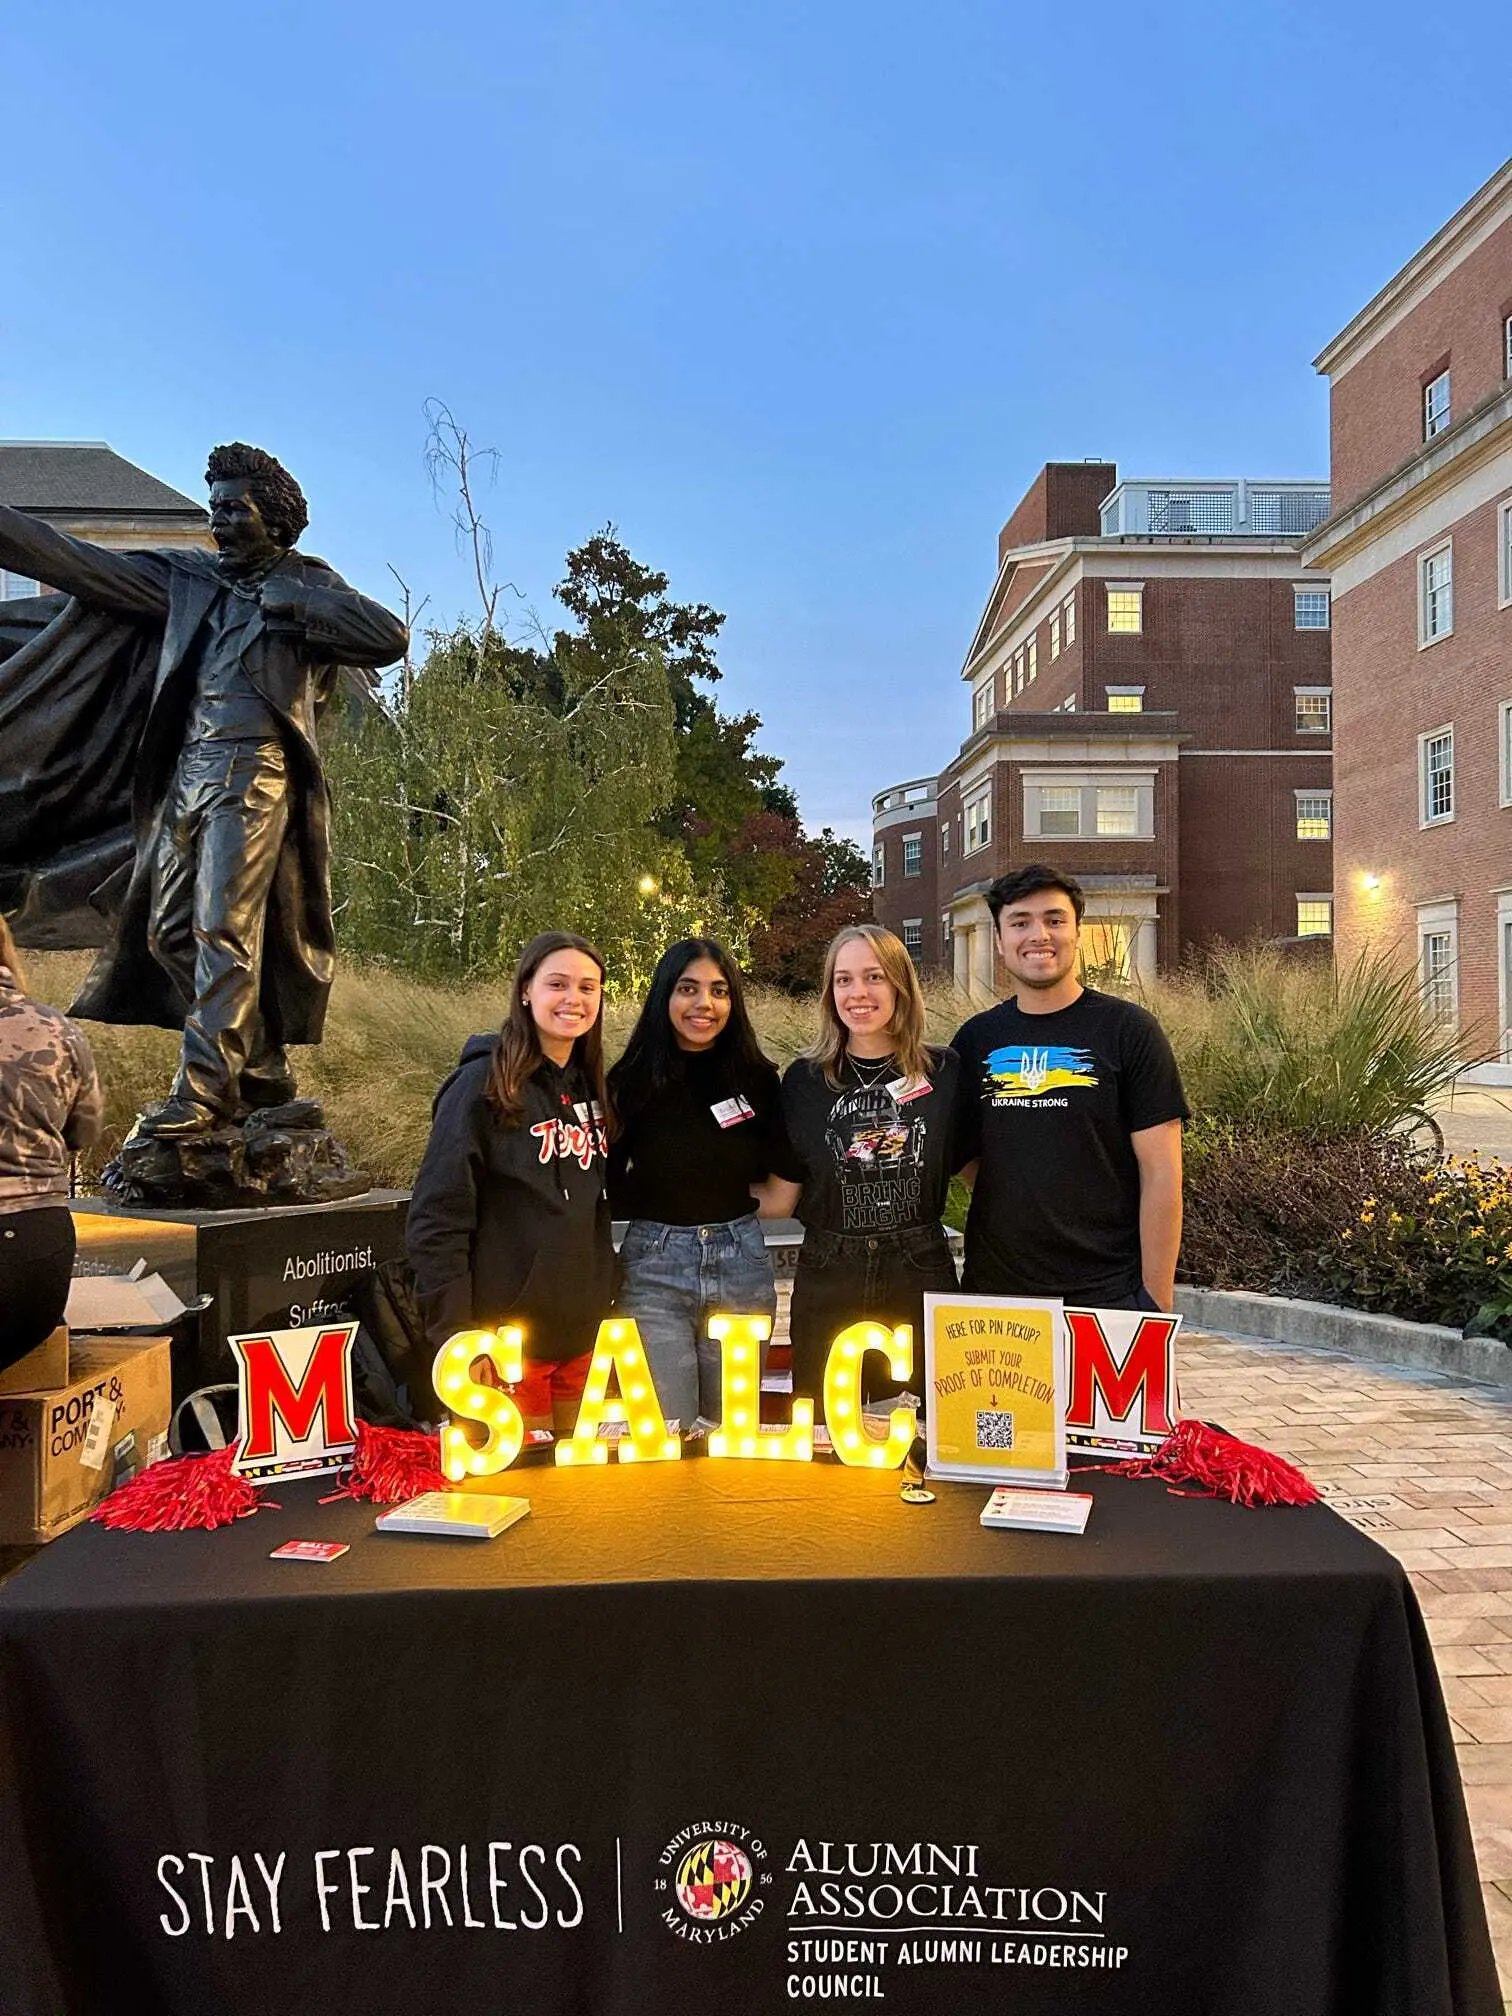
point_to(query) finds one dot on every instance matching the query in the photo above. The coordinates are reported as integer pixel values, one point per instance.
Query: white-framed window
(1314, 815)
(1055, 633)
(1068, 620)
(945, 931)
(1117, 812)
(1066, 706)
(978, 818)
(1314, 913)
(1031, 660)
(1504, 556)
(1435, 594)
(1507, 346)
(1436, 777)
(1125, 699)
(981, 705)
(1504, 750)
(913, 854)
(1438, 960)
(913, 935)
(1060, 811)
(1088, 807)
(1310, 608)
(1436, 406)
(879, 865)
(1125, 608)
(15, 587)
(1314, 709)
(944, 839)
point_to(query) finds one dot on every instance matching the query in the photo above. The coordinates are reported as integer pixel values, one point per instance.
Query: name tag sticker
(904, 1089)
(730, 1112)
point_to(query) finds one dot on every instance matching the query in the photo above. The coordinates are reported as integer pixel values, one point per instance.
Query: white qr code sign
(994, 1429)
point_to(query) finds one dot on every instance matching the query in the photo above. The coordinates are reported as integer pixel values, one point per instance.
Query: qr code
(994, 1429)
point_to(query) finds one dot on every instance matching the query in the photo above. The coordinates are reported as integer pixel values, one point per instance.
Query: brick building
(1150, 706)
(86, 489)
(1420, 551)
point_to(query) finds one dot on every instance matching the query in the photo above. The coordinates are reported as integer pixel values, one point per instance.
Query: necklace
(879, 1068)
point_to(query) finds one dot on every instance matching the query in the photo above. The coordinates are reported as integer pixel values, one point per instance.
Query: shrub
(1265, 1208)
(1267, 1042)
(1437, 1249)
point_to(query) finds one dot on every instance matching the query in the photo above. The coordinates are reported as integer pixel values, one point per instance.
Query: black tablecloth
(737, 1737)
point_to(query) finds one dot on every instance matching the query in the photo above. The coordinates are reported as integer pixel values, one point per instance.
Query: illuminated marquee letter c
(842, 1395)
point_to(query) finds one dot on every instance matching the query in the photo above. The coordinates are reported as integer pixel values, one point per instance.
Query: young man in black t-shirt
(1070, 1121)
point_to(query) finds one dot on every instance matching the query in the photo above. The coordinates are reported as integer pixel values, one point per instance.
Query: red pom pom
(392, 1464)
(179, 1494)
(1223, 1467)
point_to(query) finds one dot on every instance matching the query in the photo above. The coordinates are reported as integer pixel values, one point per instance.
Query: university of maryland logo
(1021, 1071)
(713, 1882)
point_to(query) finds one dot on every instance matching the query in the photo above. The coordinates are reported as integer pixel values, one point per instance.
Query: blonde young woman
(870, 1111)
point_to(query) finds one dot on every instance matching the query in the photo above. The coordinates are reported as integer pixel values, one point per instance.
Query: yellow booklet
(996, 1372)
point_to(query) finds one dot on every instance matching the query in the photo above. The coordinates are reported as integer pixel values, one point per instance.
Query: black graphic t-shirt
(875, 1153)
(1048, 1104)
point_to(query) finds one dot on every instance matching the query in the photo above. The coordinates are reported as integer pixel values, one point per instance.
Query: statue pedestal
(281, 1155)
(274, 1267)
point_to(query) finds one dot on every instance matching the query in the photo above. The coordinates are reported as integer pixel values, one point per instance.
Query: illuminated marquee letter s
(466, 1396)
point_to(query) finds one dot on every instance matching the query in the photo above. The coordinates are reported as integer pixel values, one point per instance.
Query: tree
(831, 888)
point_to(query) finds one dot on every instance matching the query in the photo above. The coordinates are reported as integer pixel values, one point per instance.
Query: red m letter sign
(1119, 1358)
(290, 1381)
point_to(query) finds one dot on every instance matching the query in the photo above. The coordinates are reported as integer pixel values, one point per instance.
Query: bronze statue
(210, 671)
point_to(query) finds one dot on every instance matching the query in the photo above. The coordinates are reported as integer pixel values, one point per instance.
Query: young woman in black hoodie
(509, 1222)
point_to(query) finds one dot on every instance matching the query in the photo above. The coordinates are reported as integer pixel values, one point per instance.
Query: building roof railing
(1235, 507)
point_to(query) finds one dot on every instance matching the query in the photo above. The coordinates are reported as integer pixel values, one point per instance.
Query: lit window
(1126, 699)
(1314, 815)
(1068, 620)
(1117, 811)
(1436, 594)
(913, 854)
(1031, 660)
(1436, 776)
(1310, 608)
(1436, 965)
(879, 866)
(1314, 709)
(978, 822)
(913, 934)
(1314, 916)
(1436, 406)
(981, 704)
(1125, 611)
(1059, 811)
(1055, 634)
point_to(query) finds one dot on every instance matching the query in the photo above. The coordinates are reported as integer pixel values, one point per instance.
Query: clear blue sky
(800, 297)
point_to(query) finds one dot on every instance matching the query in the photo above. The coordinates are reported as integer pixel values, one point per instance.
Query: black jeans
(880, 1277)
(36, 1265)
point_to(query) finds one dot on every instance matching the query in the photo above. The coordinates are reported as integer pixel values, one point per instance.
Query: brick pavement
(1425, 1466)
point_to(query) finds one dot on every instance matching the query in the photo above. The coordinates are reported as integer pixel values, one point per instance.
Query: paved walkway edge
(1277, 1319)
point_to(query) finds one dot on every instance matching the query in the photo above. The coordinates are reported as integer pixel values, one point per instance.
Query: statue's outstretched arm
(124, 584)
(342, 625)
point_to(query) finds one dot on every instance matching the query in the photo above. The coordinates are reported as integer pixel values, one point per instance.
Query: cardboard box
(134, 1301)
(51, 1474)
(42, 1370)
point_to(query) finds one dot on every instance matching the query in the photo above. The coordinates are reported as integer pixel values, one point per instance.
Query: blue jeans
(674, 1278)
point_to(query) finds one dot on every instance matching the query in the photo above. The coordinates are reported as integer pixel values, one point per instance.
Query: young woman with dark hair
(509, 1222)
(870, 1110)
(699, 1144)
